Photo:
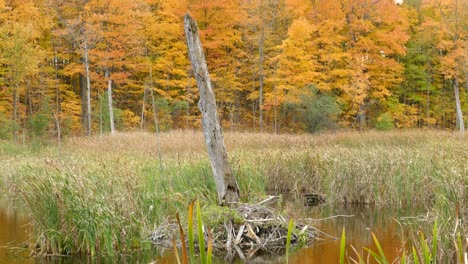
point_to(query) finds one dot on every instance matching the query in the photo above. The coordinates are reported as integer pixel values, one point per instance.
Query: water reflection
(13, 234)
(359, 223)
(146, 257)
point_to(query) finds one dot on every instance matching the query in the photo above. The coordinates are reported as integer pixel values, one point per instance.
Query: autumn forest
(83, 67)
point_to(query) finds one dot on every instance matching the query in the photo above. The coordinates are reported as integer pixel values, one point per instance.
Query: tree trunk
(57, 87)
(460, 122)
(109, 95)
(58, 110)
(276, 112)
(142, 119)
(15, 112)
(59, 133)
(254, 113)
(226, 185)
(466, 78)
(28, 100)
(428, 115)
(88, 90)
(100, 116)
(261, 78)
(362, 117)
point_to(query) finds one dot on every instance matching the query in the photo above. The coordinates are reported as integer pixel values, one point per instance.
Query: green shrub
(39, 123)
(384, 122)
(319, 110)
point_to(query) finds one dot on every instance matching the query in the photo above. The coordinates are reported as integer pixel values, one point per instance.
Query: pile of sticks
(262, 230)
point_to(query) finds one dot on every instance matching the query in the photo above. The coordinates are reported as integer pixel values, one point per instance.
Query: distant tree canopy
(276, 65)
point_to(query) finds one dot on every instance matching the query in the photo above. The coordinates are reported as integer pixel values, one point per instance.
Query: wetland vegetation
(105, 195)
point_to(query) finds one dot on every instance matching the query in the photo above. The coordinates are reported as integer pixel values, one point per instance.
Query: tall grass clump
(81, 214)
(102, 206)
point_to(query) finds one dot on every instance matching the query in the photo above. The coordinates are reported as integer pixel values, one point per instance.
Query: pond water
(359, 222)
(13, 234)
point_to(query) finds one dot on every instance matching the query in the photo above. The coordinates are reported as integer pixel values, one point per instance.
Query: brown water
(359, 224)
(14, 232)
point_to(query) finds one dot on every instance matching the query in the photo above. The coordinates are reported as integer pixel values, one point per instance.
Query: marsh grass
(104, 196)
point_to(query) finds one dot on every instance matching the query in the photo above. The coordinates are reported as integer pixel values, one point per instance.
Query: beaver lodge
(245, 231)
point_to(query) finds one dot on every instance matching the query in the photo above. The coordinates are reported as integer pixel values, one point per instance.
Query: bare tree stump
(226, 185)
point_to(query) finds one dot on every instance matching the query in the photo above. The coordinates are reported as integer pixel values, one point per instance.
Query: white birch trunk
(226, 185)
(109, 96)
(88, 89)
(460, 122)
(100, 117)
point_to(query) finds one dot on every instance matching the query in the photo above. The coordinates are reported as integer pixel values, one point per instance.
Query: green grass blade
(403, 258)
(376, 256)
(425, 250)
(379, 248)
(434, 242)
(190, 232)
(342, 246)
(459, 249)
(201, 237)
(415, 256)
(288, 239)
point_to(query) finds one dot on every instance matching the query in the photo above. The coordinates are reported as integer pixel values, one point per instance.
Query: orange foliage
(263, 55)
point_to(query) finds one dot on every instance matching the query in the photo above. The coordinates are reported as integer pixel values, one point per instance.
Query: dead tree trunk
(226, 185)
